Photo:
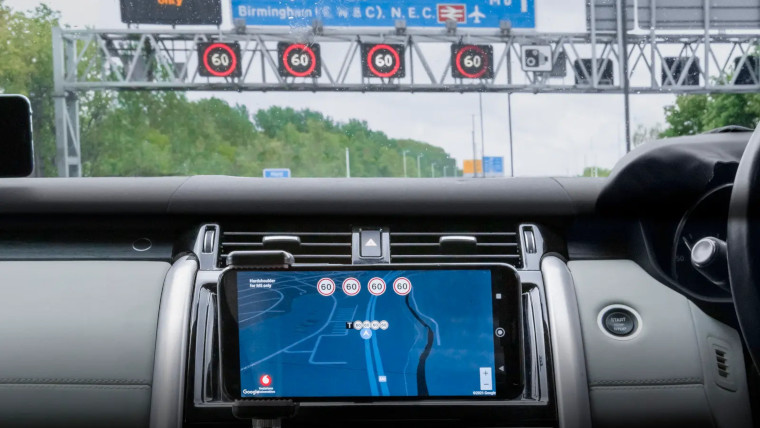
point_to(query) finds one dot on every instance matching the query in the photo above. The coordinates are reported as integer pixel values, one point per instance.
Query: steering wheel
(743, 246)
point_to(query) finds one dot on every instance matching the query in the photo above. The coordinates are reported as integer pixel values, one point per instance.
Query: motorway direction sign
(493, 166)
(486, 14)
(277, 173)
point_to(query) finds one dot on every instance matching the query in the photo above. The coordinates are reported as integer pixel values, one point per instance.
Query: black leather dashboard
(232, 195)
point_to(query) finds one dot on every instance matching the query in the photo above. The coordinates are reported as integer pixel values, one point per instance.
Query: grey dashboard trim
(171, 344)
(571, 382)
(529, 196)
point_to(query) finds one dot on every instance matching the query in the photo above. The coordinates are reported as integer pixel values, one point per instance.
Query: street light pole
(404, 153)
(511, 145)
(348, 164)
(419, 168)
(432, 170)
(445, 168)
(474, 151)
(482, 134)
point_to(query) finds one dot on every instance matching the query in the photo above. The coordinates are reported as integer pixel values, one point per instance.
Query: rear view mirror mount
(16, 147)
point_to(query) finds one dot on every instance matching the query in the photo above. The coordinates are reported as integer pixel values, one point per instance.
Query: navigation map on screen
(378, 333)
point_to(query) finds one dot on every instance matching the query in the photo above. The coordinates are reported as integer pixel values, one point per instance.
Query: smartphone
(16, 137)
(372, 333)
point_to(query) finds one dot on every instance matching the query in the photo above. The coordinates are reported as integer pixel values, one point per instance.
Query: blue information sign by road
(385, 13)
(493, 166)
(277, 173)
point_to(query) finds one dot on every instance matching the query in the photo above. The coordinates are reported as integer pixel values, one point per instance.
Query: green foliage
(595, 171)
(157, 134)
(694, 114)
(165, 133)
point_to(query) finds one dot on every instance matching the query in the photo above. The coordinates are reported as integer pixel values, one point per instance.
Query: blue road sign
(277, 173)
(493, 166)
(385, 13)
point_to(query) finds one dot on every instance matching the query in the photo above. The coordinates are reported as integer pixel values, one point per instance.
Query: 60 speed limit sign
(299, 60)
(472, 61)
(383, 60)
(219, 60)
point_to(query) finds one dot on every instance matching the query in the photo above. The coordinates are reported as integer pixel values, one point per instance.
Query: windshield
(372, 88)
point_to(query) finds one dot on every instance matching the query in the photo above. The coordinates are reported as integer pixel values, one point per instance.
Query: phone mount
(263, 413)
(260, 259)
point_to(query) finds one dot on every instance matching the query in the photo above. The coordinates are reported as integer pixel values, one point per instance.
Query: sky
(553, 134)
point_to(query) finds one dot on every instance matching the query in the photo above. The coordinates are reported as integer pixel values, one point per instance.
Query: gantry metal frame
(139, 59)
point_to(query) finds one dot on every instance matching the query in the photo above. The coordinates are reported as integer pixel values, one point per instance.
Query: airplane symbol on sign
(476, 15)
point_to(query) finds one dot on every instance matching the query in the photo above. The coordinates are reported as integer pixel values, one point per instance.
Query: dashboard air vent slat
(455, 247)
(306, 247)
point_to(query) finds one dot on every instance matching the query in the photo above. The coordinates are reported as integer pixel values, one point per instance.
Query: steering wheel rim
(743, 246)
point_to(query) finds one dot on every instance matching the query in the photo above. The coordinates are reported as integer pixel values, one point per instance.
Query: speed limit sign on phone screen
(219, 59)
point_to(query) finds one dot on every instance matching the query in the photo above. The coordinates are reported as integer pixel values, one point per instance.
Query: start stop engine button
(619, 322)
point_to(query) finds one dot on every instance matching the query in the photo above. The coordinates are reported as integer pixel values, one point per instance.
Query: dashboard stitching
(644, 382)
(71, 386)
(43, 381)
(642, 387)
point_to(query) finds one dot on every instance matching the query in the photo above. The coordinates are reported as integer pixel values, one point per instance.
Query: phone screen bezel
(507, 313)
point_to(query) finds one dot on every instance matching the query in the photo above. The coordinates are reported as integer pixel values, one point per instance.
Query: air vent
(721, 363)
(724, 376)
(306, 247)
(455, 247)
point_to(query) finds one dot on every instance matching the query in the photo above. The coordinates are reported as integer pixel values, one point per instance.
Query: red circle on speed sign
(212, 69)
(473, 74)
(376, 286)
(351, 286)
(371, 63)
(287, 62)
(326, 287)
(402, 286)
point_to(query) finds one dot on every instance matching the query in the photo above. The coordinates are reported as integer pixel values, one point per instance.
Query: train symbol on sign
(452, 12)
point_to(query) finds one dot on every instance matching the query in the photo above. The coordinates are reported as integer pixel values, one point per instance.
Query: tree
(694, 114)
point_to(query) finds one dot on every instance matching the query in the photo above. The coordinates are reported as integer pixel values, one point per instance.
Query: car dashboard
(112, 289)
